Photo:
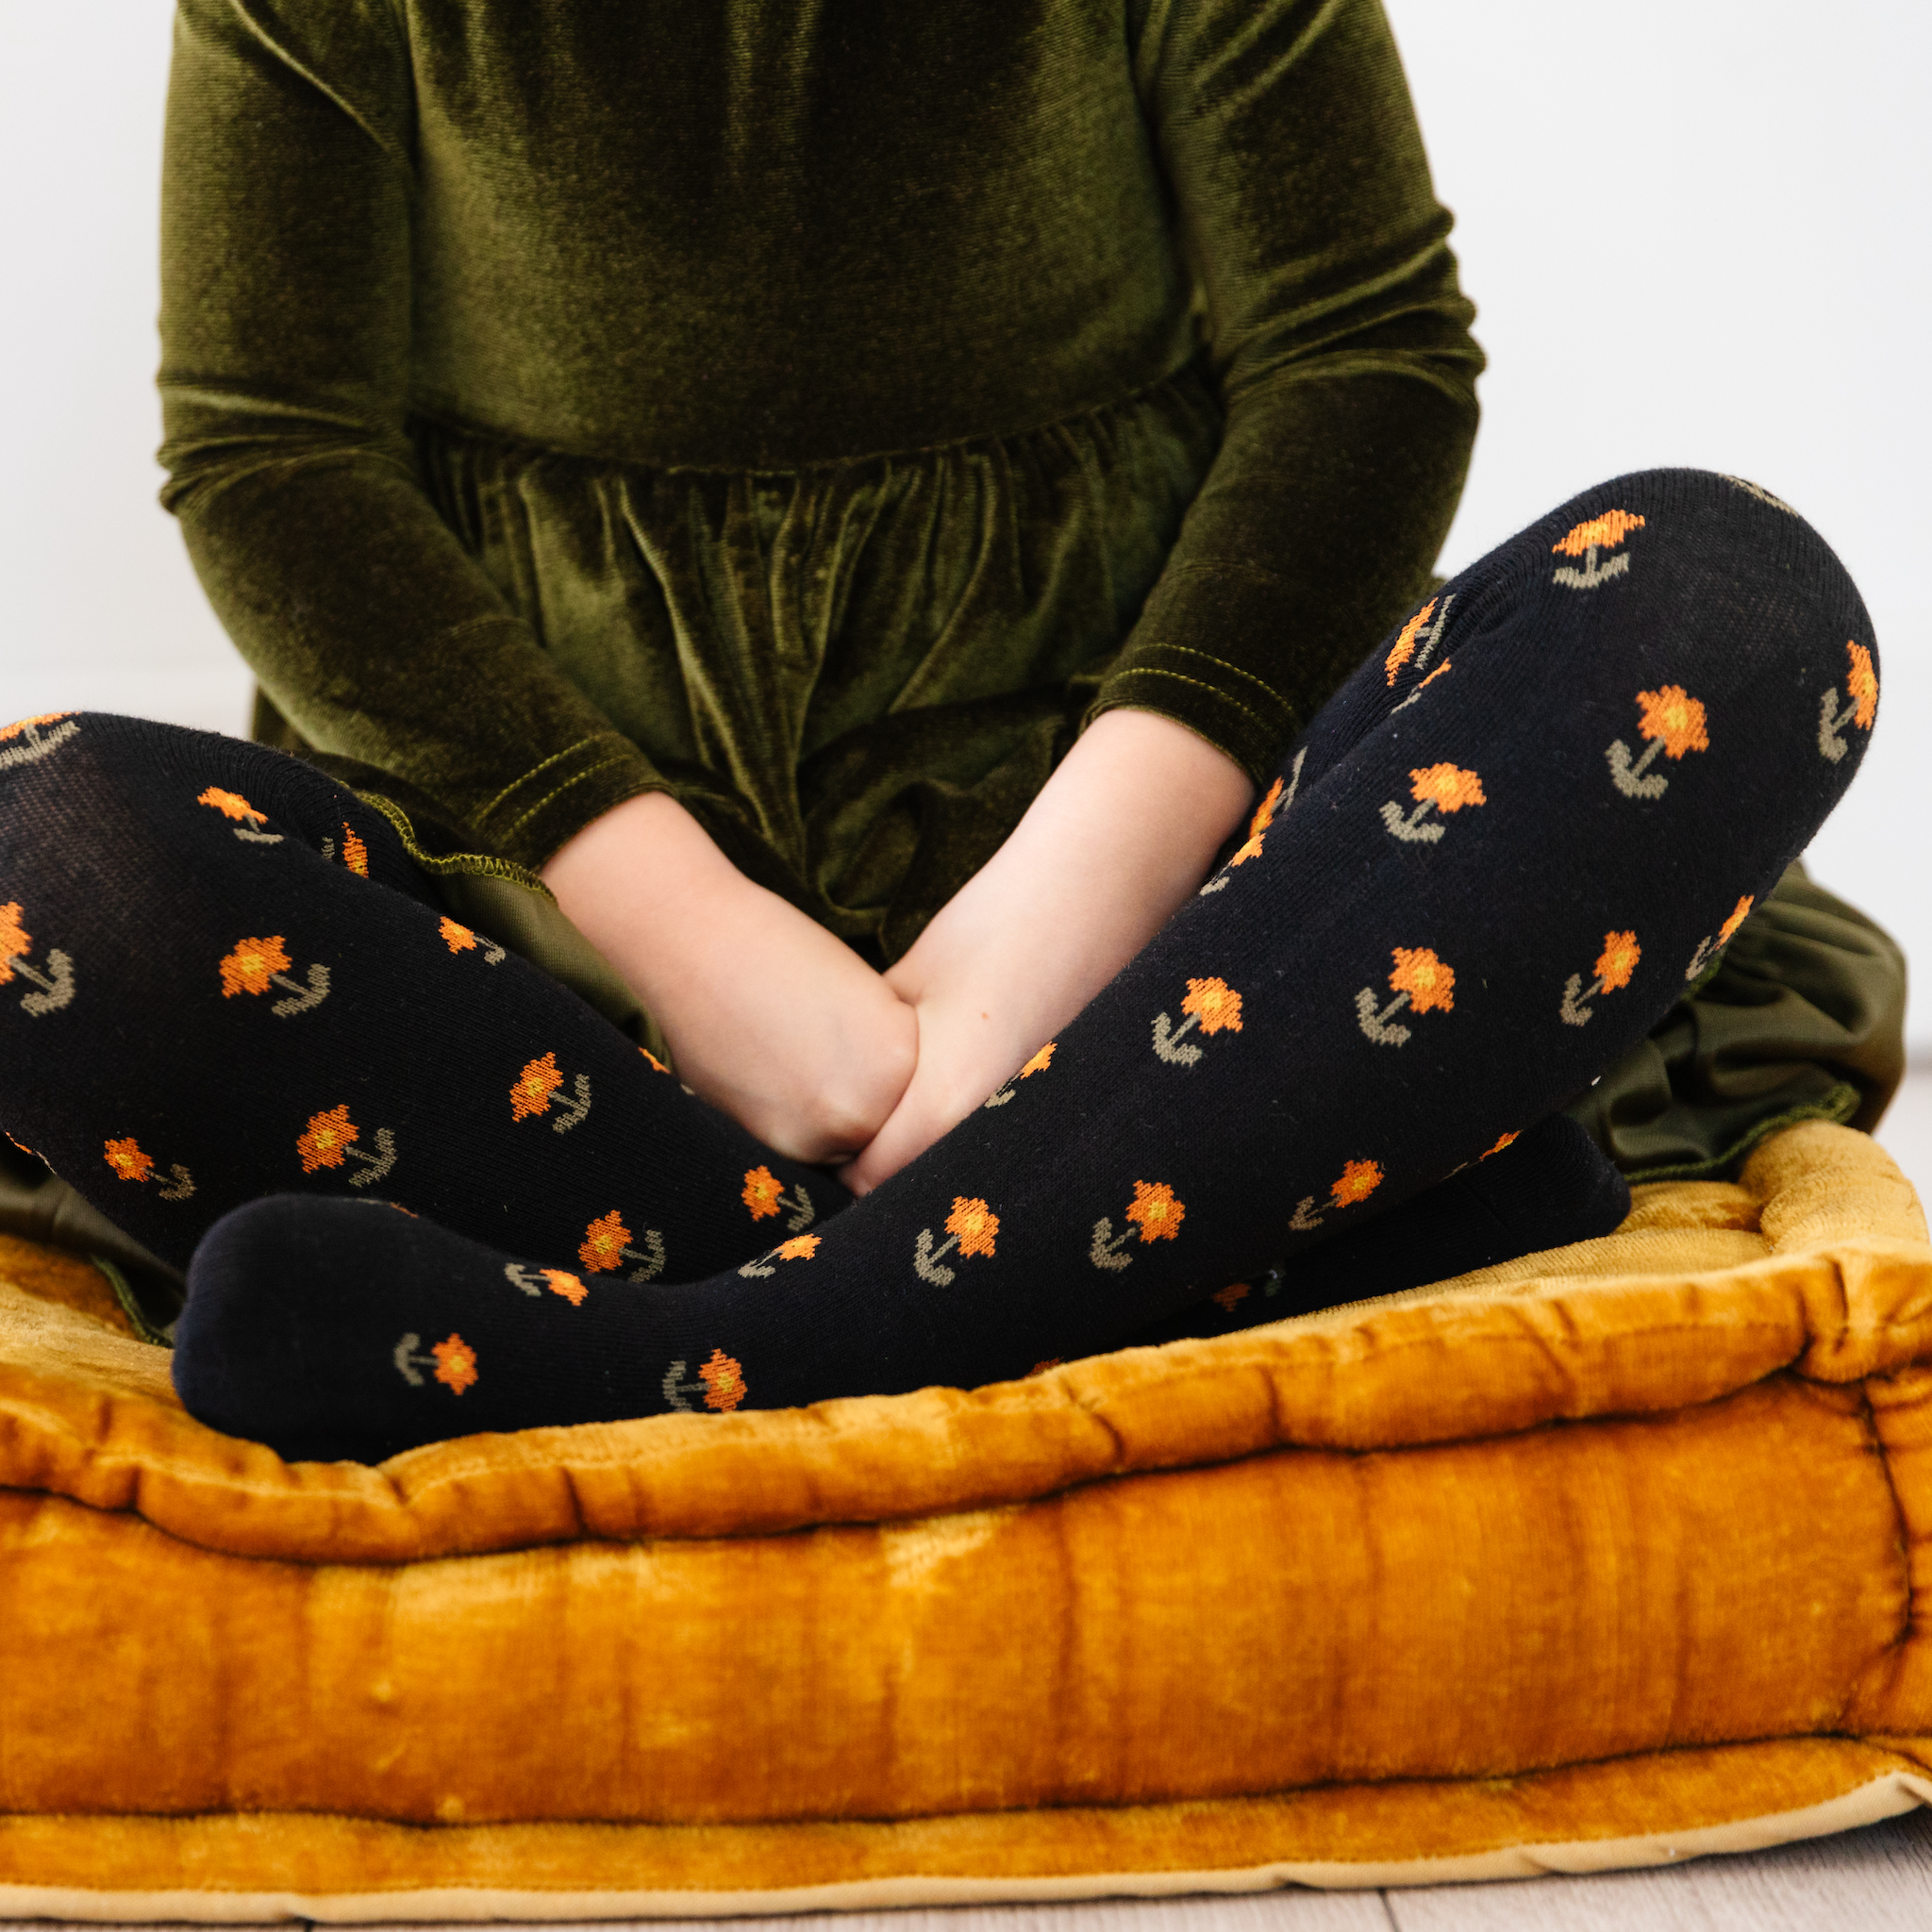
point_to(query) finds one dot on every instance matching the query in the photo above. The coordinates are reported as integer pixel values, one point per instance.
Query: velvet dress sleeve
(1339, 340)
(286, 307)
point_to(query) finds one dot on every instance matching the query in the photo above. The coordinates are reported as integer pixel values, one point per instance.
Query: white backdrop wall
(1695, 230)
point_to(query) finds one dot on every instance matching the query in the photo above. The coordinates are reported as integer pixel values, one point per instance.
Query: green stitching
(555, 758)
(1149, 671)
(131, 1306)
(472, 864)
(589, 771)
(1209, 658)
(1838, 1106)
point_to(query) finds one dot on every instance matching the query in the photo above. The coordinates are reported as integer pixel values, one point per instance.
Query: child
(869, 508)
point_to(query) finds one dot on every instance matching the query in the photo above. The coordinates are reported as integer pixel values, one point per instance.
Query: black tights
(1484, 873)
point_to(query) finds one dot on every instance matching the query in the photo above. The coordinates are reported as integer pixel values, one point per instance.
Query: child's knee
(182, 796)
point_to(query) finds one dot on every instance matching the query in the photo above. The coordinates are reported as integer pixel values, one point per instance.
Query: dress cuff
(551, 803)
(1183, 660)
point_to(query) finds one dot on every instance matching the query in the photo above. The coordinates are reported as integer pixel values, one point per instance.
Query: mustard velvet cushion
(1611, 1556)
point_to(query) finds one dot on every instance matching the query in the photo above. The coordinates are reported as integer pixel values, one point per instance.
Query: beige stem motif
(802, 1213)
(1425, 642)
(453, 1363)
(571, 1106)
(1167, 1037)
(650, 1261)
(302, 999)
(180, 1186)
(1105, 1250)
(1627, 776)
(926, 1258)
(1701, 958)
(1376, 1025)
(255, 838)
(34, 745)
(374, 1166)
(1410, 830)
(674, 1388)
(1832, 723)
(1304, 1220)
(1590, 577)
(1574, 992)
(56, 984)
(409, 1359)
(1219, 882)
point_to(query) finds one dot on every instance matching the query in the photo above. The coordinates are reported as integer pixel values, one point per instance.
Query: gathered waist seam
(421, 418)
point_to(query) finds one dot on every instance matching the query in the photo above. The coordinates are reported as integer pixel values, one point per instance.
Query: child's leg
(1517, 832)
(221, 976)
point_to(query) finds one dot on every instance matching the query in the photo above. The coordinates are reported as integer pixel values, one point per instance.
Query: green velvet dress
(818, 409)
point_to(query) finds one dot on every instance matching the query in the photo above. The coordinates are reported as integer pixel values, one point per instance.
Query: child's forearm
(1121, 834)
(769, 1016)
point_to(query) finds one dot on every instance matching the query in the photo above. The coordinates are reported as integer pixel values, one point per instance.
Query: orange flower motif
(1618, 960)
(1234, 1292)
(1447, 787)
(1052, 1361)
(1862, 682)
(533, 1086)
(456, 1364)
(1601, 533)
(565, 1283)
(327, 1141)
(127, 1161)
(354, 854)
(252, 965)
(1039, 1063)
(1403, 648)
(1733, 922)
(1359, 1179)
(801, 1247)
(1502, 1141)
(15, 939)
(1427, 981)
(1675, 716)
(974, 1224)
(654, 1059)
(1157, 1210)
(231, 805)
(1214, 1004)
(457, 937)
(603, 1243)
(21, 724)
(763, 1192)
(1257, 826)
(723, 1380)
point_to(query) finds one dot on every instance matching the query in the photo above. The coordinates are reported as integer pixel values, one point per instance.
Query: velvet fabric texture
(816, 415)
(1602, 1547)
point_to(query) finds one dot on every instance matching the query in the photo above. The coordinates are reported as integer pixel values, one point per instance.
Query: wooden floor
(1874, 1881)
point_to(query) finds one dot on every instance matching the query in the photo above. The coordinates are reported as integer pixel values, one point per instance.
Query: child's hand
(769, 1016)
(1121, 834)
